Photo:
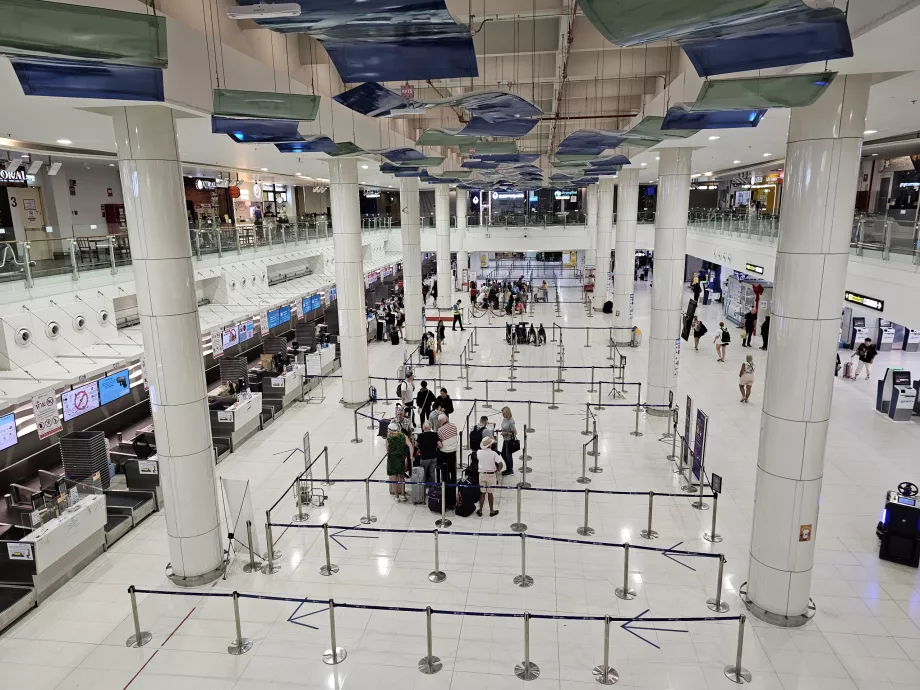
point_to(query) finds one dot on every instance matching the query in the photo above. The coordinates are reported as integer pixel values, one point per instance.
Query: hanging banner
(263, 323)
(685, 447)
(144, 373)
(217, 344)
(699, 444)
(47, 418)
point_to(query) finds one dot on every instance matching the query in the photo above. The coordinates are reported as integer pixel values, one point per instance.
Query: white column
(412, 256)
(463, 260)
(822, 165)
(625, 255)
(668, 273)
(442, 223)
(591, 223)
(161, 253)
(349, 277)
(604, 239)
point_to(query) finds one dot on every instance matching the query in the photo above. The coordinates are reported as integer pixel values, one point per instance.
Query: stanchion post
(585, 530)
(600, 392)
(625, 592)
(699, 503)
(674, 433)
(486, 403)
(335, 654)
(527, 670)
(712, 535)
(591, 389)
(444, 521)
(593, 451)
(553, 331)
(519, 526)
(330, 568)
(523, 580)
(250, 567)
(140, 637)
(241, 644)
(636, 432)
(552, 404)
(527, 427)
(736, 673)
(610, 345)
(371, 426)
(558, 388)
(356, 439)
(468, 387)
(587, 336)
(386, 388)
(584, 479)
(270, 567)
(716, 604)
(587, 432)
(300, 516)
(511, 378)
(429, 665)
(328, 481)
(605, 674)
(368, 518)
(270, 547)
(648, 532)
(437, 575)
(524, 456)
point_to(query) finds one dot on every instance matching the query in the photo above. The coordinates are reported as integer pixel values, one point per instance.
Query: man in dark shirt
(866, 353)
(428, 448)
(447, 405)
(424, 400)
(750, 322)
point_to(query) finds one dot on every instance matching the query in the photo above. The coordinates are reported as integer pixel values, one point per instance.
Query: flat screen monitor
(8, 435)
(230, 337)
(114, 386)
(306, 305)
(284, 314)
(333, 294)
(80, 400)
(274, 318)
(907, 501)
(247, 330)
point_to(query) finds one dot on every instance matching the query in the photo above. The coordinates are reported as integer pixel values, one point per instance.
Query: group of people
(391, 313)
(513, 295)
(722, 339)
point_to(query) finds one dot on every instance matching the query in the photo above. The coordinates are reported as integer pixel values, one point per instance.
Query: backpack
(475, 438)
(608, 307)
(399, 391)
(703, 330)
(726, 336)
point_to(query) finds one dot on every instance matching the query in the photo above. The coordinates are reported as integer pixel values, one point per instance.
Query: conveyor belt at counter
(135, 500)
(15, 602)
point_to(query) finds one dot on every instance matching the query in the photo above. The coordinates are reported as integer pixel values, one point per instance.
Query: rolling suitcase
(848, 371)
(380, 330)
(394, 337)
(467, 499)
(434, 499)
(418, 489)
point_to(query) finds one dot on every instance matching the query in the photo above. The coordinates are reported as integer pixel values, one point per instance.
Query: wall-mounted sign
(754, 268)
(319, 189)
(407, 91)
(20, 551)
(257, 191)
(13, 176)
(863, 301)
(372, 194)
(234, 192)
(506, 196)
(564, 195)
(205, 185)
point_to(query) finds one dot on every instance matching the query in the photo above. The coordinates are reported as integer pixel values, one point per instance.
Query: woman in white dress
(746, 377)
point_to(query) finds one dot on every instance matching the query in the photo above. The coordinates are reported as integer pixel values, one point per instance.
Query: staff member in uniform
(458, 317)
(490, 463)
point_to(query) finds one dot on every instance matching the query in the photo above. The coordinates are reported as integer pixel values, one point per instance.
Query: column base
(776, 619)
(195, 580)
(658, 412)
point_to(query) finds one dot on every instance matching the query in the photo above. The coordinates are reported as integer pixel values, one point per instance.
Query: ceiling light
(644, 164)
(53, 170)
(657, 158)
(364, 167)
(870, 131)
(767, 155)
(111, 165)
(34, 168)
(713, 137)
(64, 142)
(735, 162)
(707, 174)
(263, 11)
(874, 154)
(14, 164)
(264, 169)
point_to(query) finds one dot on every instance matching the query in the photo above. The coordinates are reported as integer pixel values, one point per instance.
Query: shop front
(207, 203)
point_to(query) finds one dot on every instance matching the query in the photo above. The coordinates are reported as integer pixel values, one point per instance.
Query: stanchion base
(467, 388)
(443, 523)
(512, 390)
(527, 671)
(133, 641)
(587, 433)
(524, 485)
(276, 554)
(606, 675)
(636, 433)
(592, 453)
(585, 531)
(328, 482)
(238, 647)
(648, 534)
(518, 527)
(699, 505)
(557, 390)
(300, 517)
(596, 470)
(672, 458)
(626, 594)
(690, 489)
(523, 581)
(487, 405)
(331, 658)
(592, 390)
(553, 407)
(526, 470)
(666, 437)
(328, 570)
(437, 576)
(738, 675)
(252, 567)
(271, 570)
(429, 665)
(368, 519)
(583, 480)
(712, 538)
(721, 607)
(528, 429)
(357, 440)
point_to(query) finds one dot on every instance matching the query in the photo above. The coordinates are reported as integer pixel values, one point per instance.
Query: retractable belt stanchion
(269, 567)
(328, 481)
(552, 402)
(329, 568)
(584, 479)
(524, 456)
(335, 654)
(250, 567)
(270, 546)
(443, 522)
(591, 389)
(736, 673)
(674, 434)
(429, 665)
(585, 530)
(699, 503)
(600, 390)
(527, 427)
(437, 575)
(372, 425)
(527, 670)
(648, 532)
(610, 345)
(667, 435)
(486, 403)
(625, 592)
(593, 452)
(717, 604)
(558, 388)
(587, 336)
(356, 439)
(368, 518)
(523, 580)
(712, 535)
(605, 674)
(511, 378)
(300, 516)
(139, 638)
(519, 526)
(587, 432)
(468, 387)
(241, 644)
(638, 408)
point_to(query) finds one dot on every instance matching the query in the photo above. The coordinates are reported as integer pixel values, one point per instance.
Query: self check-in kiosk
(885, 336)
(911, 340)
(858, 331)
(896, 395)
(899, 528)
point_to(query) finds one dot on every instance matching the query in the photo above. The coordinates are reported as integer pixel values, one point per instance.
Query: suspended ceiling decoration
(682, 116)
(589, 142)
(79, 79)
(311, 144)
(384, 40)
(724, 36)
(265, 105)
(784, 91)
(375, 100)
(257, 131)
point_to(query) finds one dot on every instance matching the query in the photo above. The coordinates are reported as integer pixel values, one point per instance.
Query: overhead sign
(863, 301)
(372, 194)
(754, 268)
(205, 185)
(505, 196)
(217, 345)
(234, 192)
(561, 195)
(13, 176)
(47, 419)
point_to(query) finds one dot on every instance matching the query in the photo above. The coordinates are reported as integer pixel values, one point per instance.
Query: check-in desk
(239, 421)
(281, 390)
(318, 364)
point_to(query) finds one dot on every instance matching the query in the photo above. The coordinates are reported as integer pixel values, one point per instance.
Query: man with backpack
(407, 394)
(480, 433)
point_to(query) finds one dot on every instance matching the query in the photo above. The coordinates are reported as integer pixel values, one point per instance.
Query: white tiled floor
(865, 635)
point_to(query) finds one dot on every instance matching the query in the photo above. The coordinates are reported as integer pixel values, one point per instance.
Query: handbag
(513, 445)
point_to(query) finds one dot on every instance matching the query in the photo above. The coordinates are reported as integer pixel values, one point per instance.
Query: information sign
(47, 419)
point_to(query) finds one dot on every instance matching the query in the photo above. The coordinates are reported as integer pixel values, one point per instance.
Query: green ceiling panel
(265, 105)
(438, 137)
(54, 29)
(638, 143)
(794, 91)
(492, 147)
(650, 128)
(347, 148)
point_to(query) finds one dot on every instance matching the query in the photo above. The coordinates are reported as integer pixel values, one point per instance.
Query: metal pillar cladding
(527, 670)
(240, 644)
(822, 161)
(523, 580)
(335, 654)
(442, 223)
(329, 568)
(519, 526)
(437, 575)
(412, 256)
(463, 259)
(605, 238)
(151, 176)
(625, 592)
(585, 530)
(605, 674)
(591, 223)
(736, 673)
(625, 255)
(140, 637)
(349, 278)
(430, 664)
(667, 288)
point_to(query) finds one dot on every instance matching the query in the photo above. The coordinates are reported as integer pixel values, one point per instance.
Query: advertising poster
(47, 419)
(217, 344)
(699, 444)
(685, 447)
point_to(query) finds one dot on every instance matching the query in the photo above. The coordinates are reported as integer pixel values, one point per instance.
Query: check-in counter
(239, 421)
(319, 364)
(283, 389)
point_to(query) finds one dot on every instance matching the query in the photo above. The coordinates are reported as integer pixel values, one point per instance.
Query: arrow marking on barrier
(290, 453)
(631, 630)
(668, 555)
(295, 619)
(341, 533)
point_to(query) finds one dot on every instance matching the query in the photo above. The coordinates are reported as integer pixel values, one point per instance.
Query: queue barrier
(430, 664)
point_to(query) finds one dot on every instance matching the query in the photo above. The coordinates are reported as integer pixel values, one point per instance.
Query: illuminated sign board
(863, 301)
(561, 195)
(754, 268)
(506, 196)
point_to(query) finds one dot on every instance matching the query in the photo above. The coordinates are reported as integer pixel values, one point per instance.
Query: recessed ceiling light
(735, 162)
(707, 174)
(364, 167)
(870, 131)
(713, 137)
(111, 165)
(264, 169)
(766, 155)
(874, 154)
(644, 164)
(64, 142)
(657, 158)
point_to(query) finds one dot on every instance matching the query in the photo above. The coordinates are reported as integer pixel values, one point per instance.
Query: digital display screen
(311, 303)
(905, 501)
(274, 318)
(230, 337)
(247, 330)
(333, 295)
(901, 378)
(80, 400)
(114, 386)
(284, 314)
(8, 431)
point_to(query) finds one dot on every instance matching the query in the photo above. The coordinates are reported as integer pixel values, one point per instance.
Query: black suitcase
(468, 499)
(434, 499)
(383, 428)
(608, 307)
(394, 337)
(380, 330)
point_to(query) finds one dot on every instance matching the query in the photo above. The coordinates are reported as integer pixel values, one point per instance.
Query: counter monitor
(8, 435)
(114, 386)
(80, 400)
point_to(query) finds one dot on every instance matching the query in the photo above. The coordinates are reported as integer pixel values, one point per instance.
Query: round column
(822, 166)
(442, 223)
(349, 278)
(463, 259)
(161, 253)
(668, 274)
(591, 225)
(625, 255)
(412, 256)
(604, 240)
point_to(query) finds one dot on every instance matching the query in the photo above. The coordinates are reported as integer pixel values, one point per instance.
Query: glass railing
(761, 228)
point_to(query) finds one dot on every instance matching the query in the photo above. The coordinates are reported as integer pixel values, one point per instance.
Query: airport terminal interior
(360, 344)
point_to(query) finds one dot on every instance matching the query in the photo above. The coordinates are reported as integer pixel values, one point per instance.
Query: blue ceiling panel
(445, 57)
(314, 144)
(82, 79)
(479, 165)
(402, 155)
(246, 131)
(509, 157)
(678, 117)
(478, 126)
(589, 142)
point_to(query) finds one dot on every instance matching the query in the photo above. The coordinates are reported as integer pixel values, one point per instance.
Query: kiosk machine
(886, 336)
(858, 332)
(899, 528)
(896, 395)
